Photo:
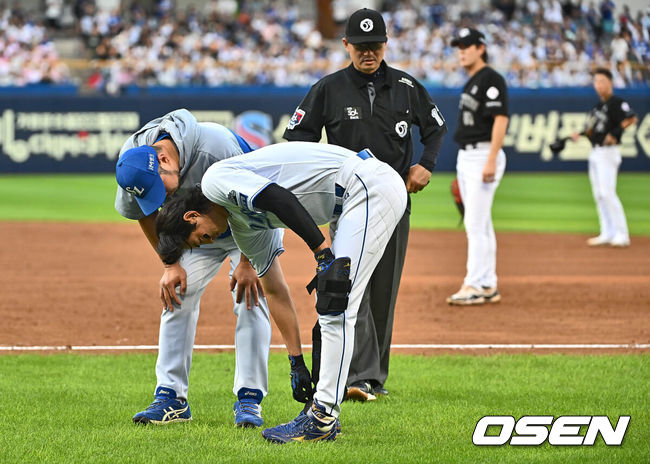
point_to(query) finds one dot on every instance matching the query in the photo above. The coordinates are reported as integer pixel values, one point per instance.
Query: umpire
(371, 105)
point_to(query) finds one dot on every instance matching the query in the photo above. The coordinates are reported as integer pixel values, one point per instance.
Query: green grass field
(524, 202)
(77, 408)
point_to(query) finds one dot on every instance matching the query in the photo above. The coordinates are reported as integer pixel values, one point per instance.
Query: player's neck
(475, 67)
(219, 216)
(171, 151)
(606, 96)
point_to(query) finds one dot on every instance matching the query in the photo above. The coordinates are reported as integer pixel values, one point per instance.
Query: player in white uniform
(171, 154)
(299, 185)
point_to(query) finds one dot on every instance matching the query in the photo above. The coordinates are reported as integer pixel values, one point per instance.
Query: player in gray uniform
(171, 154)
(299, 185)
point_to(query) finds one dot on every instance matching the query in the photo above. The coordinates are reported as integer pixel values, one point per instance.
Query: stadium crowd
(534, 43)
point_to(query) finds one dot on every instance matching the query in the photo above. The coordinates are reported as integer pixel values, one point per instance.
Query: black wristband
(296, 361)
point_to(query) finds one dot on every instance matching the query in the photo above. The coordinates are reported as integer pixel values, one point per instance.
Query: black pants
(374, 327)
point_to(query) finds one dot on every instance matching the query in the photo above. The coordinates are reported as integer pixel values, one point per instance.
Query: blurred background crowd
(110, 45)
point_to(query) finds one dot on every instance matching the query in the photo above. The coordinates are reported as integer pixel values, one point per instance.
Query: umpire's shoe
(316, 425)
(165, 409)
(360, 391)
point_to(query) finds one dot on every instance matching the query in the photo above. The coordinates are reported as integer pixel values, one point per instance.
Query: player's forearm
(148, 226)
(281, 307)
(628, 122)
(498, 134)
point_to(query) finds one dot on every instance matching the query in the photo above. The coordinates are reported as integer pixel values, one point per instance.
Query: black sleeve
(496, 96)
(430, 153)
(432, 126)
(287, 208)
(306, 124)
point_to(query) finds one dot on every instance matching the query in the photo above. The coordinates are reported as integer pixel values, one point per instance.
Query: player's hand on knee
(248, 284)
(301, 385)
(173, 277)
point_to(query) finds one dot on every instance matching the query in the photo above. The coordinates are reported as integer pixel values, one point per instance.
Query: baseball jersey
(380, 118)
(199, 146)
(308, 170)
(606, 117)
(484, 96)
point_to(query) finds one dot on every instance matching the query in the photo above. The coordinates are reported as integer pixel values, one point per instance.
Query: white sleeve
(228, 186)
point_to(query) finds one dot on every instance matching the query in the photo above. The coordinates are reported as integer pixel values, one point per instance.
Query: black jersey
(341, 102)
(484, 96)
(606, 117)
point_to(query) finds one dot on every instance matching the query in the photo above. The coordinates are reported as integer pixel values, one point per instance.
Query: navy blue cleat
(315, 425)
(247, 410)
(165, 409)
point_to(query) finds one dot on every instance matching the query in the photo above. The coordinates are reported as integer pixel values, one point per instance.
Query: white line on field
(521, 346)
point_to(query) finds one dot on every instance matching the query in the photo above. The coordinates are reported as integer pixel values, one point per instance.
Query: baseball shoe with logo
(360, 391)
(165, 409)
(491, 295)
(466, 296)
(247, 409)
(315, 425)
(620, 241)
(598, 241)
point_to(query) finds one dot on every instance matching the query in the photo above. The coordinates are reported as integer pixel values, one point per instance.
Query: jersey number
(468, 118)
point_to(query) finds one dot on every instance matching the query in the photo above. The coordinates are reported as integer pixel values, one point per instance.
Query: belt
(475, 145)
(365, 154)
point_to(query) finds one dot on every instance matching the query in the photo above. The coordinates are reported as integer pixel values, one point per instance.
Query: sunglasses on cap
(368, 46)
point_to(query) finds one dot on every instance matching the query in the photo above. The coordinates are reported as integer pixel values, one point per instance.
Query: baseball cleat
(598, 241)
(620, 242)
(315, 425)
(248, 413)
(467, 296)
(379, 390)
(491, 295)
(360, 391)
(165, 409)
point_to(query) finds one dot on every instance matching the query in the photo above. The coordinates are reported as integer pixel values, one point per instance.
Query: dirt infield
(90, 284)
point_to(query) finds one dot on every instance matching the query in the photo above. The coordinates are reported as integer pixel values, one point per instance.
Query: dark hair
(485, 56)
(605, 72)
(172, 230)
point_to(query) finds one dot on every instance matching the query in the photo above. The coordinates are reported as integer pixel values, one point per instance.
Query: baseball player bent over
(482, 123)
(170, 154)
(299, 185)
(605, 126)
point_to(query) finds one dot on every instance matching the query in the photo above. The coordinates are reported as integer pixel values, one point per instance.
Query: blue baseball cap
(137, 173)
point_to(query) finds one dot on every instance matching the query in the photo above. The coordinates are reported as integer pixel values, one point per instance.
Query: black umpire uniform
(375, 111)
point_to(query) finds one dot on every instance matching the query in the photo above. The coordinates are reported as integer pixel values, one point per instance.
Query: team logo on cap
(401, 128)
(138, 192)
(464, 32)
(152, 162)
(366, 25)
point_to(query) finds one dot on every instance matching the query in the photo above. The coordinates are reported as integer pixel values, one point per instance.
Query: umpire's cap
(365, 26)
(467, 36)
(137, 173)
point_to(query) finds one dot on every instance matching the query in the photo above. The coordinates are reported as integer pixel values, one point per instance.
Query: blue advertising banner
(69, 133)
